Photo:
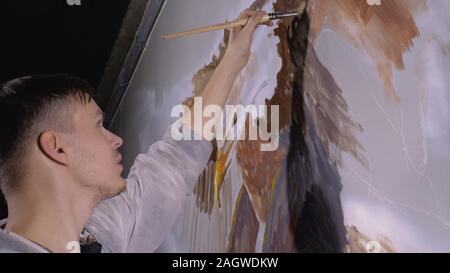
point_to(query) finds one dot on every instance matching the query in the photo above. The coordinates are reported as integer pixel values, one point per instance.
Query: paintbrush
(238, 23)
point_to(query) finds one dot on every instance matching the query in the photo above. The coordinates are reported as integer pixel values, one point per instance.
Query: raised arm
(139, 219)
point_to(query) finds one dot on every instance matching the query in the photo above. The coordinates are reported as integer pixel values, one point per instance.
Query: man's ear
(51, 144)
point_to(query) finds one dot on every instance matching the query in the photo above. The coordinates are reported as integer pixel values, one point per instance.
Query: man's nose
(116, 141)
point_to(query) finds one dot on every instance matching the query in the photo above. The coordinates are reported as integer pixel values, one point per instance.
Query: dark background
(49, 36)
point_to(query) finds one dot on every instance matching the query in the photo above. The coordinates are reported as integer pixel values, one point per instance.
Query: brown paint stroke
(244, 230)
(278, 236)
(285, 76)
(202, 76)
(204, 191)
(384, 32)
(259, 170)
(329, 110)
(358, 242)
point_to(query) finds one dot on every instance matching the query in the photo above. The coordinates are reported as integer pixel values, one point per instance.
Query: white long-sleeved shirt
(139, 219)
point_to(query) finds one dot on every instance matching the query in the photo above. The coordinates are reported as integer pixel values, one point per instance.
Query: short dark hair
(29, 106)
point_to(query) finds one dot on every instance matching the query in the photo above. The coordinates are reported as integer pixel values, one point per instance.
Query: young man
(60, 168)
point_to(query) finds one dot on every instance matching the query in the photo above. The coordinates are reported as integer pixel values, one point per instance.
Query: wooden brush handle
(233, 24)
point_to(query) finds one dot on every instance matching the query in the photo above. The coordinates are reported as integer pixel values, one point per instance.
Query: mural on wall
(364, 129)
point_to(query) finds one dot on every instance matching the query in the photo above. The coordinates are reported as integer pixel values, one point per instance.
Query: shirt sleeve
(139, 219)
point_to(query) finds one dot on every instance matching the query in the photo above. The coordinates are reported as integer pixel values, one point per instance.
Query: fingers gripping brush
(238, 23)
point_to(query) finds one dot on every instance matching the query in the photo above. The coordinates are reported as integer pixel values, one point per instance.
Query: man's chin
(119, 187)
(122, 186)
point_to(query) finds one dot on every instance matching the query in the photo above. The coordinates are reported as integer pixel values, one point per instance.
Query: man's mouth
(119, 160)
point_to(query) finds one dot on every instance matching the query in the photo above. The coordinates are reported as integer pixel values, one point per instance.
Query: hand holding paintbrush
(241, 36)
(221, 81)
(237, 54)
(240, 22)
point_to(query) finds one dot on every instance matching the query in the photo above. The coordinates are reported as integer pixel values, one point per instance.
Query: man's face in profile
(95, 159)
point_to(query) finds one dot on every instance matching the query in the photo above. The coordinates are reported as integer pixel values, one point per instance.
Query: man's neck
(51, 219)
